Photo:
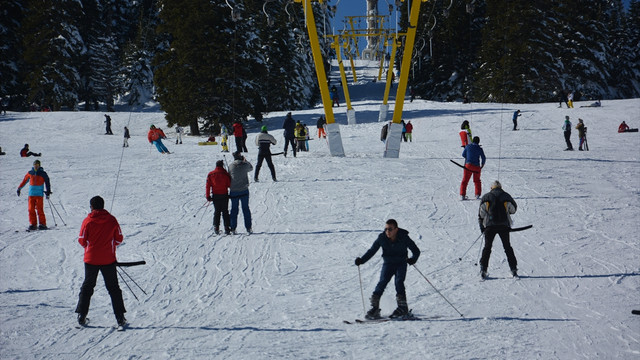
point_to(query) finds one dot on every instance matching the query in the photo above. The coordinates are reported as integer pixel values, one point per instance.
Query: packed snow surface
(284, 291)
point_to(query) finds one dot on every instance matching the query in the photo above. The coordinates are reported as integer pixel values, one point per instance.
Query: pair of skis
(86, 325)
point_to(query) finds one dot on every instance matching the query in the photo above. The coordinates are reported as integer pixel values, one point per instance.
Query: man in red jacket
(99, 235)
(218, 183)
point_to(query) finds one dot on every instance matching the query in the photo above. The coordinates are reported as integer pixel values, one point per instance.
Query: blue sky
(356, 8)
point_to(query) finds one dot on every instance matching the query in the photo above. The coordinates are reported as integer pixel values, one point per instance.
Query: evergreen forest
(212, 62)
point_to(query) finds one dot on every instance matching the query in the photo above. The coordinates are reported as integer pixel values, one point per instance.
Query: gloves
(411, 261)
(359, 261)
(210, 198)
(482, 228)
(47, 193)
(18, 192)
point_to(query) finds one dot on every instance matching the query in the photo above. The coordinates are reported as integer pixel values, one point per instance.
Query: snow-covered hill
(284, 291)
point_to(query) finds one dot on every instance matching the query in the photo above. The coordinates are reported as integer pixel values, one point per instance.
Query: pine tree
(12, 90)
(53, 47)
(633, 22)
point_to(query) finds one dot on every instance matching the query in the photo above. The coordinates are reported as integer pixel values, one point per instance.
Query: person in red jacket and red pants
(218, 184)
(99, 235)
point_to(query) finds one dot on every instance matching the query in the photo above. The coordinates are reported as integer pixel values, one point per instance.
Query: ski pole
(52, 215)
(465, 253)
(200, 208)
(361, 291)
(125, 282)
(439, 293)
(130, 278)
(56, 210)
(204, 212)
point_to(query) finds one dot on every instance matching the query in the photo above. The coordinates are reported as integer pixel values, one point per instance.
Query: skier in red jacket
(218, 183)
(99, 235)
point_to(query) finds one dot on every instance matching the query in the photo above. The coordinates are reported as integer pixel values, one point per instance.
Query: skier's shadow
(232, 328)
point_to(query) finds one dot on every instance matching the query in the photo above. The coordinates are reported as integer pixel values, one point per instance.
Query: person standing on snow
(473, 154)
(394, 243)
(39, 186)
(301, 137)
(155, 137)
(567, 133)
(239, 191)
(100, 234)
(582, 133)
(264, 142)
(108, 124)
(409, 128)
(320, 125)
(289, 127)
(238, 134)
(494, 218)
(570, 99)
(465, 133)
(126, 137)
(218, 183)
(179, 132)
(334, 97)
(224, 142)
(515, 119)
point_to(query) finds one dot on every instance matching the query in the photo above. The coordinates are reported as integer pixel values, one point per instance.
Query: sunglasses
(389, 229)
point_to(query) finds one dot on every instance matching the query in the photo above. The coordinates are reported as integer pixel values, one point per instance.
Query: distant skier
(334, 97)
(224, 141)
(108, 124)
(465, 133)
(582, 133)
(155, 137)
(570, 99)
(515, 119)
(179, 131)
(100, 234)
(238, 135)
(394, 243)
(39, 186)
(289, 127)
(239, 191)
(320, 125)
(567, 133)
(473, 164)
(24, 152)
(264, 141)
(126, 137)
(301, 137)
(494, 218)
(409, 128)
(218, 183)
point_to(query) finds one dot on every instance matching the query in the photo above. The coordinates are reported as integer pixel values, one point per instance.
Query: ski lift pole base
(351, 116)
(334, 139)
(384, 109)
(394, 139)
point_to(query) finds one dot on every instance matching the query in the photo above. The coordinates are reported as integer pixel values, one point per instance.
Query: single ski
(521, 228)
(122, 327)
(409, 317)
(462, 166)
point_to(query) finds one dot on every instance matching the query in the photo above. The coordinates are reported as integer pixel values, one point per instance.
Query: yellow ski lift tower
(394, 134)
(333, 129)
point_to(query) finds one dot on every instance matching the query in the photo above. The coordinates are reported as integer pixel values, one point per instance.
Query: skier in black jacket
(394, 243)
(494, 218)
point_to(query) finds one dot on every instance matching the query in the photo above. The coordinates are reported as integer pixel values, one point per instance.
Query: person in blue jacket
(473, 155)
(394, 243)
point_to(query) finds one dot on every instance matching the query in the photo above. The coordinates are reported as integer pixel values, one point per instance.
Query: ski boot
(403, 308)
(82, 319)
(374, 312)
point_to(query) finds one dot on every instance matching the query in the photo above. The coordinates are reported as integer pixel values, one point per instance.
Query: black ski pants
(567, 138)
(110, 276)
(267, 157)
(490, 234)
(289, 140)
(221, 207)
(239, 143)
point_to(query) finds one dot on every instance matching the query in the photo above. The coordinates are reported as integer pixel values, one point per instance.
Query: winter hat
(264, 128)
(237, 155)
(567, 117)
(580, 120)
(97, 203)
(476, 139)
(152, 126)
(36, 162)
(496, 185)
(219, 163)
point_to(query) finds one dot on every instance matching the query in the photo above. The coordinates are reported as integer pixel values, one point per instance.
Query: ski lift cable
(144, 47)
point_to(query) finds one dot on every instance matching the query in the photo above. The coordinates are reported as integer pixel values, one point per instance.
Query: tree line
(211, 62)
